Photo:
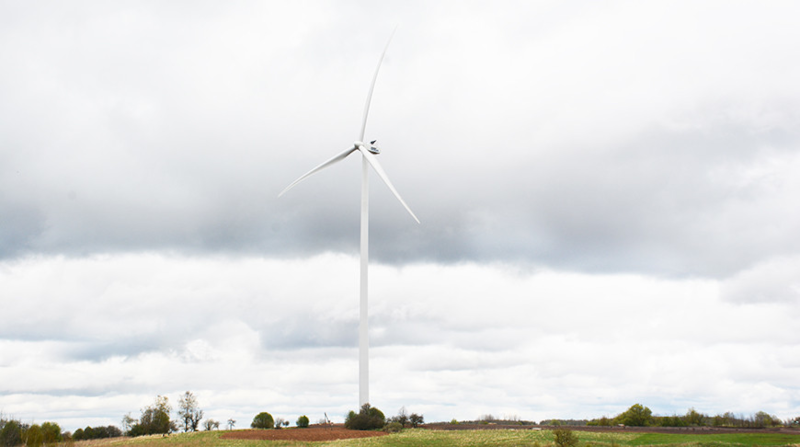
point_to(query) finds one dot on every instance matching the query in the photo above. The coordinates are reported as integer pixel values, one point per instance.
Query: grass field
(503, 438)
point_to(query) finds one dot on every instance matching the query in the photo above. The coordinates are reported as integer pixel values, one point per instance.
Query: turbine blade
(373, 161)
(333, 160)
(372, 87)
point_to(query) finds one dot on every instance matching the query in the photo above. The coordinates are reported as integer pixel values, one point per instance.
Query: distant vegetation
(156, 419)
(13, 433)
(641, 416)
(87, 433)
(368, 418)
(412, 420)
(302, 421)
(263, 420)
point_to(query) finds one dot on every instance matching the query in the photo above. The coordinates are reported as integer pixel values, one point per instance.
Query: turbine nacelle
(370, 147)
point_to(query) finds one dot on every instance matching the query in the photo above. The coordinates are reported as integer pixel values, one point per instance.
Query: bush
(368, 418)
(263, 420)
(302, 421)
(565, 438)
(393, 427)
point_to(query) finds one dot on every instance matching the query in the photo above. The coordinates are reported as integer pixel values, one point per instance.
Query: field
(442, 438)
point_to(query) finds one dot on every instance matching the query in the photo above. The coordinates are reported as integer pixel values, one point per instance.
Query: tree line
(14, 432)
(156, 419)
(639, 415)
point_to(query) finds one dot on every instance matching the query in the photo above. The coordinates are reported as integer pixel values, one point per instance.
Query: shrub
(393, 427)
(302, 421)
(368, 418)
(263, 420)
(565, 438)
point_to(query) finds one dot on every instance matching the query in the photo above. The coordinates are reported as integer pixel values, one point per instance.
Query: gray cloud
(149, 140)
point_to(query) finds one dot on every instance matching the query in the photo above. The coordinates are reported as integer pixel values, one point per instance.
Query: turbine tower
(368, 152)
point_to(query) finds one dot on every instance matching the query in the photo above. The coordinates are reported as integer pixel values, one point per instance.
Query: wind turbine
(368, 153)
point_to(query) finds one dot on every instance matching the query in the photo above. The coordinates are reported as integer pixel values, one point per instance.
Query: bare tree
(231, 423)
(211, 424)
(127, 423)
(402, 416)
(189, 411)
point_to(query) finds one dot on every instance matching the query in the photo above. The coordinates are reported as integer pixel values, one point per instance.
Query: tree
(279, 422)
(368, 418)
(402, 416)
(416, 420)
(11, 433)
(263, 420)
(189, 411)
(34, 437)
(302, 421)
(51, 433)
(231, 423)
(694, 418)
(127, 423)
(210, 424)
(636, 416)
(763, 419)
(155, 419)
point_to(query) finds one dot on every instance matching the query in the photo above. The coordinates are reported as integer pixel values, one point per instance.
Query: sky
(607, 194)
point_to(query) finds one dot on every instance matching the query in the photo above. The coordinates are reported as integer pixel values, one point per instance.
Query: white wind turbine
(368, 152)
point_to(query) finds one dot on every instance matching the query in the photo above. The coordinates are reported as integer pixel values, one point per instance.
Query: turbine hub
(370, 147)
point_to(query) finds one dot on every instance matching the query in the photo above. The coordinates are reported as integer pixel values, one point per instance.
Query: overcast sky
(607, 195)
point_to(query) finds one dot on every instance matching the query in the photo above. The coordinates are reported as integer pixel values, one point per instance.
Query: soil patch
(311, 434)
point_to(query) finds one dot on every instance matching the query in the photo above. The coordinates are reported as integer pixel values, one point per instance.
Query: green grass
(469, 438)
(726, 439)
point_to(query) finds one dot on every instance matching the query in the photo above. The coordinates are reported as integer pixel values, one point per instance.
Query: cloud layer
(666, 136)
(449, 341)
